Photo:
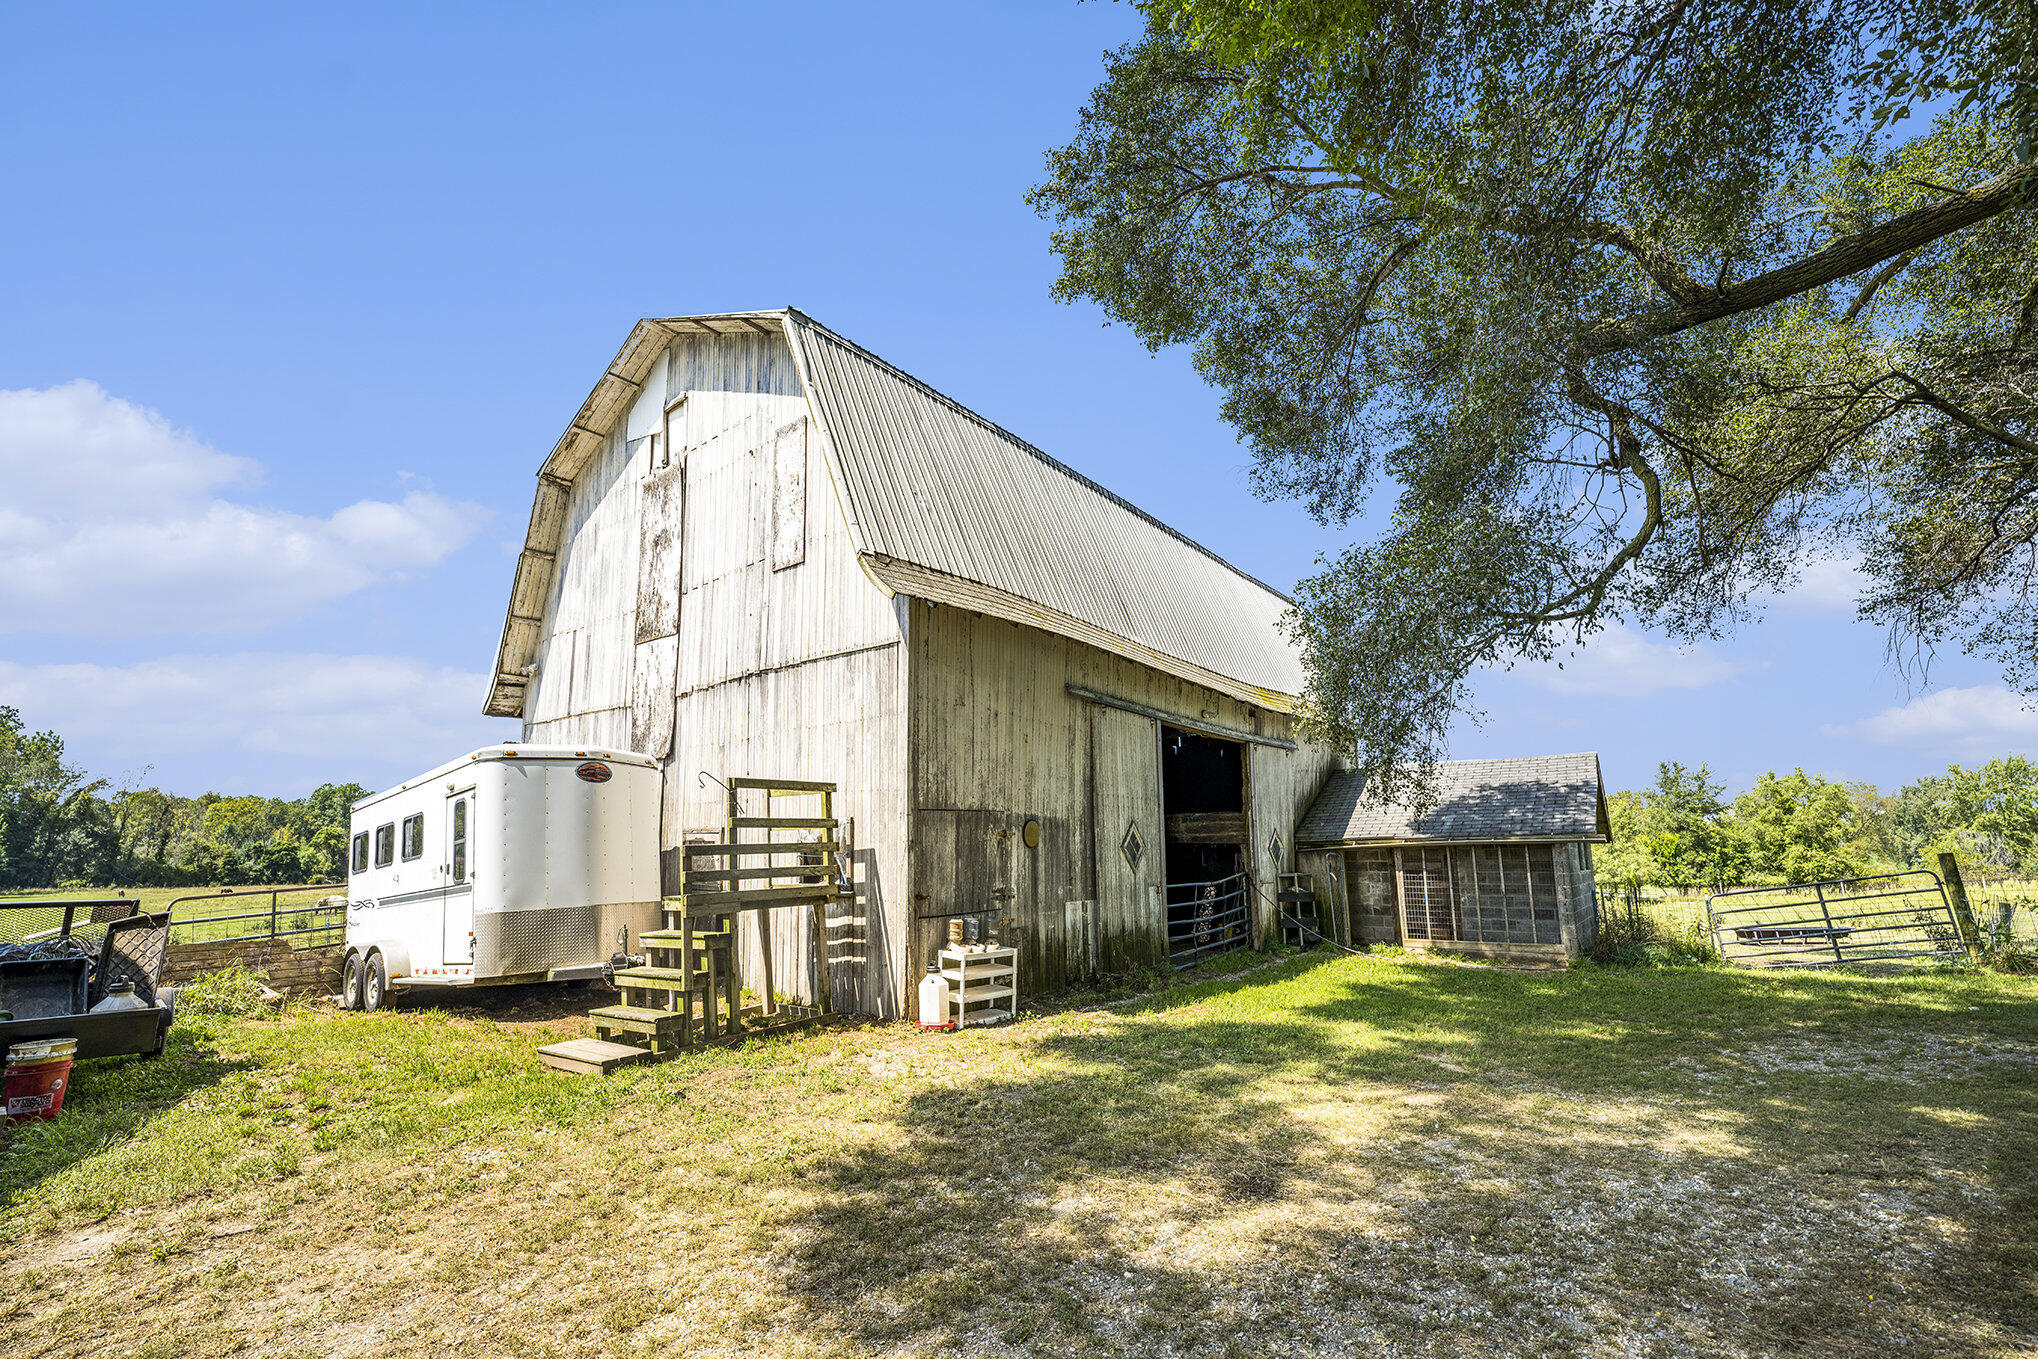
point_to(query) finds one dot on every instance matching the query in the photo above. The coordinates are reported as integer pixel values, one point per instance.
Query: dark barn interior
(1203, 799)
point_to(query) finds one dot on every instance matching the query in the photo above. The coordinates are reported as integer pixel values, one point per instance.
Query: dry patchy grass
(1331, 1156)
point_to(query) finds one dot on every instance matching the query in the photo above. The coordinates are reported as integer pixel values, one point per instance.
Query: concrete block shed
(758, 550)
(1500, 866)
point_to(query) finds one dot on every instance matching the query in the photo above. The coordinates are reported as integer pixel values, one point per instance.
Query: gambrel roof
(944, 505)
(1538, 797)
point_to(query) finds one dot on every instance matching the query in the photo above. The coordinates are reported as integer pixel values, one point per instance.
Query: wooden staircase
(688, 991)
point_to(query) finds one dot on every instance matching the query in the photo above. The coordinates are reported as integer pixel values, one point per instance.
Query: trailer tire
(350, 983)
(374, 983)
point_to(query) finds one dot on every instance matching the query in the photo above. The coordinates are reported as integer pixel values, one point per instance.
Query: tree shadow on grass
(1437, 1160)
(107, 1101)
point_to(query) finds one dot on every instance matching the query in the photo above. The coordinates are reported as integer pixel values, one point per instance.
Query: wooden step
(660, 978)
(715, 939)
(638, 1019)
(592, 1056)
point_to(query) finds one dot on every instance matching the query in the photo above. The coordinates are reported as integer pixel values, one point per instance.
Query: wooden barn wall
(785, 660)
(997, 739)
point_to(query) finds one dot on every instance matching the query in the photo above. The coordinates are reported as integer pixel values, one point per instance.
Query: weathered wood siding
(996, 739)
(685, 616)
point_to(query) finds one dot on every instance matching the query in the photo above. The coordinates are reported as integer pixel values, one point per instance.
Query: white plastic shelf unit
(981, 975)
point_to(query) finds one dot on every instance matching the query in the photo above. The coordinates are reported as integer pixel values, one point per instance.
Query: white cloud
(114, 522)
(1826, 585)
(1986, 719)
(1619, 660)
(258, 721)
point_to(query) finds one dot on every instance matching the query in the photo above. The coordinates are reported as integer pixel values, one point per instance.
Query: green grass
(1331, 1155)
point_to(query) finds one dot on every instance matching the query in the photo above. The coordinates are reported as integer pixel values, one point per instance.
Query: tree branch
(1882, 276)
(1847, 255)
(1967, 418)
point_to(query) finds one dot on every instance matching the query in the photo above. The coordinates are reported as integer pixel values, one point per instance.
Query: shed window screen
(1508, 894)
(414, 836)
(1426, 894)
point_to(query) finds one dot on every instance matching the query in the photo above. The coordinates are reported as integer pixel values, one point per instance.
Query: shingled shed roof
(1537, 797)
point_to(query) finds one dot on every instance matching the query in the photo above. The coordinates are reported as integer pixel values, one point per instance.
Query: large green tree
(1796, 827)
(1640, 306)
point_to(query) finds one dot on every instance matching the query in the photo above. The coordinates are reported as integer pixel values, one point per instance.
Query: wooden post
(1956, 896)
(687, 965)
(831, 874)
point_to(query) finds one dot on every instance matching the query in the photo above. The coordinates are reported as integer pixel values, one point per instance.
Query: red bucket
(37, 1073)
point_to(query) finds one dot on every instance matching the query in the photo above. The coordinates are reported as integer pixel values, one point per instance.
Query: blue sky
(296, 300)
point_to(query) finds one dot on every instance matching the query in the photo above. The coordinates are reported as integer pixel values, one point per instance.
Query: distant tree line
(60, 826)
(1683, 832)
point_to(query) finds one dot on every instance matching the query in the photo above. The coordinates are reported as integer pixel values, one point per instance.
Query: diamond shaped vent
(1274, 844)
(1132, 847)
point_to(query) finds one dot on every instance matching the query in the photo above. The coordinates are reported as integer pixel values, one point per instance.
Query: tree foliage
(58, 825)
(1638, 306)
(1683, 833)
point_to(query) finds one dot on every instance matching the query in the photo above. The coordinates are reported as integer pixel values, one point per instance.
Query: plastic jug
(934, 998)
(119, 996)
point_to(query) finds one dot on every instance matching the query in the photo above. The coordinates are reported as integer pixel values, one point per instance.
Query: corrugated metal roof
(932, 484)
(945, 505)
(1537, 797)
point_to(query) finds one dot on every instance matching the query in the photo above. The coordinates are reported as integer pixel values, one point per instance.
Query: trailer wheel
(350, 983)
(374, 983)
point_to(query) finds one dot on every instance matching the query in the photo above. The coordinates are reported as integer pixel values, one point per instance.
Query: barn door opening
(1203, 800)
(1429, 909)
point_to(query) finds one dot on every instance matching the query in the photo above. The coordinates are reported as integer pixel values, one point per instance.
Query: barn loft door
(654, 670)
(1427, 909)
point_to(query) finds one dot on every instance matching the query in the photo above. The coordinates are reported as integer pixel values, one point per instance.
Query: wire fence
(309, 916)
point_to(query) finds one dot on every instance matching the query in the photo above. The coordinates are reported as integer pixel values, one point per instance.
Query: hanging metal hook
(699, 782)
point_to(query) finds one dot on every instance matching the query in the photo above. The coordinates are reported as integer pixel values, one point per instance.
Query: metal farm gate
(1207, 918)
(1883, 918)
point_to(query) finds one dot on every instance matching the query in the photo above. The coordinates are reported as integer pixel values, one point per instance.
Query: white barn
(760, 550)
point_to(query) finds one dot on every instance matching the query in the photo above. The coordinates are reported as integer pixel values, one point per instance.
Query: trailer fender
(395, 955)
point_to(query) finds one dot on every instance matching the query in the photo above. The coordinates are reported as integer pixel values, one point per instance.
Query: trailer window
(385, 845)
(460, 840)
(414, 836)
(361, 852)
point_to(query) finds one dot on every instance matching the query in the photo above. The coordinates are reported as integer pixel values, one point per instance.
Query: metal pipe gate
(1205, 918)
(1821, 924)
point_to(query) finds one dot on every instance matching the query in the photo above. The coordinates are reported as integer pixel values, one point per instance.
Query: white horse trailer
(513, 864)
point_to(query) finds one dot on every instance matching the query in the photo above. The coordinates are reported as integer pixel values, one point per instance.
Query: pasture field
(1323, 1155)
